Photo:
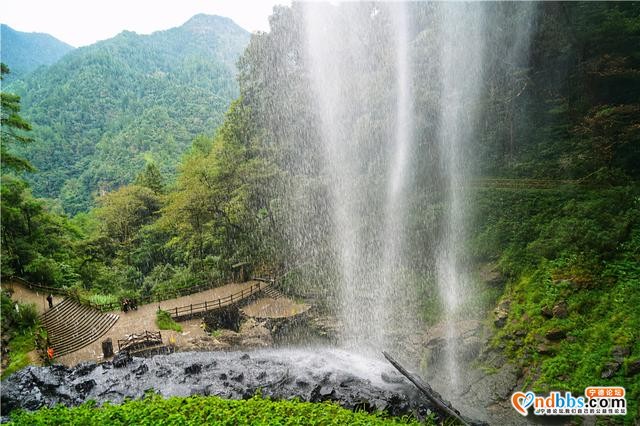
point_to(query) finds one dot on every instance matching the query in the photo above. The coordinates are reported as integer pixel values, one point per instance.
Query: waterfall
(461, 56)
(397, 92)
(367, 190)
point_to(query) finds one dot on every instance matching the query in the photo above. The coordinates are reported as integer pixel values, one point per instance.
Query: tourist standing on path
(50, 300)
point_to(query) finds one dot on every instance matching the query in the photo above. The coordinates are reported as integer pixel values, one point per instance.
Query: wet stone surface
(310, 375)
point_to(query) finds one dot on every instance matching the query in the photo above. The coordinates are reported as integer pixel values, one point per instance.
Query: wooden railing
(208, 305)
(142, 339)
(114, 306)
(39, 287)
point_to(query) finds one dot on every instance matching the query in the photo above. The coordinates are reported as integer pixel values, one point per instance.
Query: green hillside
(105, 110)
(24, 52)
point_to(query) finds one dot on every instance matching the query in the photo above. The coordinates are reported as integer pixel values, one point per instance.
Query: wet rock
(610, 369)
(229, 337)
(470, 349)
(163, 371)
(545, 349)
(141, 370)
(322, 393)
(561, 310)
(320, 374)
(255, 334)
(245, 357)
(45, 378)
(556, 334)
(501, 313)
(84, 387)
(546, 312)
(633, 368)
(193, 369)
(391, 378)
(84, 368)
(435, 341)
(121, 359)
(490, 274)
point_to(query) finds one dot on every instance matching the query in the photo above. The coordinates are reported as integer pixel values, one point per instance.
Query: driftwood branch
(426, 390)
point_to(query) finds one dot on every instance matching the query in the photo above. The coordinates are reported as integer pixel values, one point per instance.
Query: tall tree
(13, 128)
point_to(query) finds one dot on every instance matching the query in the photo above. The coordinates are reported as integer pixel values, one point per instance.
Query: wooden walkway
(272, 305)
(188, 311)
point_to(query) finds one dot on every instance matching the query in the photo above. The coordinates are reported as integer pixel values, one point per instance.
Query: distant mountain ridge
(24, 52)
(104, 110)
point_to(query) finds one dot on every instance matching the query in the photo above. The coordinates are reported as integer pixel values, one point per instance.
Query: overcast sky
(82, 22)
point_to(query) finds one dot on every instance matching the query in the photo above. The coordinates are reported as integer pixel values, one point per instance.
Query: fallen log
(440, 405)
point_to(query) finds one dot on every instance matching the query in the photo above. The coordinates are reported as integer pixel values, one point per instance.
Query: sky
(83, 22)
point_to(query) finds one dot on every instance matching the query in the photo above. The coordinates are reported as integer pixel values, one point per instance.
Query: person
(50, 300)
(50, 353)
(125, 305)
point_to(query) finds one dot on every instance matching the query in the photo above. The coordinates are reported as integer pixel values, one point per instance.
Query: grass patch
(197, 410)
(19, 347)
(165, 322)
(103, 299)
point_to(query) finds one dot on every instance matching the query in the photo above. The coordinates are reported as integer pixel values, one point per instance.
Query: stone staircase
(71, 326)
(272, 292)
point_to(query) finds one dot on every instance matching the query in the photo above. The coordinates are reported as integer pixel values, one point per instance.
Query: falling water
(397, 92)
(367, 189)
(461, 76)
(328, 72)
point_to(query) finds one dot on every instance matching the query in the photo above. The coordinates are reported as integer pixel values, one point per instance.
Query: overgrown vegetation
(20, 331)
(572, 256)
(198, 410)
(165, 322)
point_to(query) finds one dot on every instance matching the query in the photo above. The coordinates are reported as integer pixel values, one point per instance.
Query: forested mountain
(103, 111)
(559, 124)
(24, 52)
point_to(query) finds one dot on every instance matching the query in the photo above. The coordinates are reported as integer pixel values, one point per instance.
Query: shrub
(165, 322)
(197, 410)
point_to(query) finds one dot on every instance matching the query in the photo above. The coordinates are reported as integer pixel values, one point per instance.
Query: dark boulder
(610, 369)
(545, 349)
(561, 310)
(193, 369)
(555, 334)
(633, 367)
(84, 387)
(121, 359)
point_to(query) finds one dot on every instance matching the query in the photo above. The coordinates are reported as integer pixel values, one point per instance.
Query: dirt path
(22, 294)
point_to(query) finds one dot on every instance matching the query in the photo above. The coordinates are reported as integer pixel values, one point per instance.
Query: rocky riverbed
(310, 375)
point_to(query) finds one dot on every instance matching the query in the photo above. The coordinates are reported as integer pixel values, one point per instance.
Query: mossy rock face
(633, 367)
(555, 334)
